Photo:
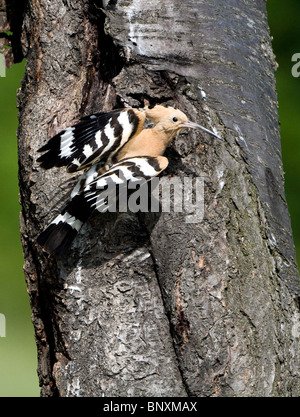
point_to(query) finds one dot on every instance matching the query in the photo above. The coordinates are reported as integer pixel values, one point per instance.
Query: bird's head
(173, 120)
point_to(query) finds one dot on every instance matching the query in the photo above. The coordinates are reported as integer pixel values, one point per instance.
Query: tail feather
(57, 238)
(61, 232)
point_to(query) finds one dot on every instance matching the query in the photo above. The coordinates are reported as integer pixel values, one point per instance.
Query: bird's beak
(193, 125)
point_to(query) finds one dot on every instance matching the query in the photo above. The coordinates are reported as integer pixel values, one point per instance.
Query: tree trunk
(156, 306)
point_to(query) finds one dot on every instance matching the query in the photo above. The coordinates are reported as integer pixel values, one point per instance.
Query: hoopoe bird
(112, 147)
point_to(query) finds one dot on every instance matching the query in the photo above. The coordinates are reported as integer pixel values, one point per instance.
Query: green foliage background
(17, 350)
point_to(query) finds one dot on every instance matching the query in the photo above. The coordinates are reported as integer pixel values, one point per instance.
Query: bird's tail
(59, 235)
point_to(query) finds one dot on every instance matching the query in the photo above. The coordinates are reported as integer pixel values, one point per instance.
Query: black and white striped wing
(93, 139)
(97, 192)
(101, 192)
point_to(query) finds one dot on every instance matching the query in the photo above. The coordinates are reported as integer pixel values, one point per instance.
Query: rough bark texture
(154, 306)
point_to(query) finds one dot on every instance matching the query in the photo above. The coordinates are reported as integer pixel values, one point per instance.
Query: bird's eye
(175, 119)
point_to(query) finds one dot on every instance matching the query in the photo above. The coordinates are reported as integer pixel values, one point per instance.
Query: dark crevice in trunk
(15, 11)
(50, 325)
(110, 59)
(173, 333)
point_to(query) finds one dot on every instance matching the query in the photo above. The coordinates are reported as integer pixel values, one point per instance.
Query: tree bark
(155, 306)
